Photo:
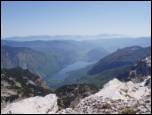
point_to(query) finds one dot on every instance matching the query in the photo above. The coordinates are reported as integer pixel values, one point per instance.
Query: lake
(61, 75)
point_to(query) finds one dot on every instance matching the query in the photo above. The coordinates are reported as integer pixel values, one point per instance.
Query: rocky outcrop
(33, 105)
(100, 105)
(140, 70)
(115, 98)
(18, 84)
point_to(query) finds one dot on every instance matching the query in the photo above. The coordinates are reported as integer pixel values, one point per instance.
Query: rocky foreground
(33, 105)
(116, 97)
(18, 84)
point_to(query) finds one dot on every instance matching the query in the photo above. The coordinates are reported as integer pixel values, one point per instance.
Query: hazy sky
(75, 18)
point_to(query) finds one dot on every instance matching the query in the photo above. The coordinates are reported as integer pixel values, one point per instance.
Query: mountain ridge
(17, 84)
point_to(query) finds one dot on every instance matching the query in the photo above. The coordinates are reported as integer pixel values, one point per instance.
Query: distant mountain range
(47, 58)
(69, 37)
(109, 42)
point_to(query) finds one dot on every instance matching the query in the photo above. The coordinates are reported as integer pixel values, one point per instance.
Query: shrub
(128, 111)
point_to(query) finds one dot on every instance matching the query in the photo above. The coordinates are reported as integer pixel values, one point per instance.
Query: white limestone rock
(114, 98)
(116, 89)
(33, 105)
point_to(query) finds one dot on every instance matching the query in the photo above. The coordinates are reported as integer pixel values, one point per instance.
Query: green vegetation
(123, 57)
(45, 58)
(106, 106)
(115, 65)
(99, 79)
(128, 111)
(22, 83)
(69, 95)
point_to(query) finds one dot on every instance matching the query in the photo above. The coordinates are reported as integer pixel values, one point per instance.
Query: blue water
(61, 75)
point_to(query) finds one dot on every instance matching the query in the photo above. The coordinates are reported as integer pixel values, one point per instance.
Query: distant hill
(70, 50)
(27, 58)
(96, 54)
(110, 43)
(47, 57)
(122, 57)
(117, 64)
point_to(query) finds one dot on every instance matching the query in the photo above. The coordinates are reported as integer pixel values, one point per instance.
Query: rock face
(142, 69)
(33, 105)
(17, 83)
(116, 89)
(115, 98)
(137, 72)
(109, 106)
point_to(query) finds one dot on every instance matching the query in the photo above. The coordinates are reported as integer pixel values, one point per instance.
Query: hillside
(122, 57)
(70, 50)
(117, 64)
(27, 58)
(17, 83)
(53, 55)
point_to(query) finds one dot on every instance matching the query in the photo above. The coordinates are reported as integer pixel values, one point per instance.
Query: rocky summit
(115, 98)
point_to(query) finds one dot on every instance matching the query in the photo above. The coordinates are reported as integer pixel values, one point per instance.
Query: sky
(22, 18)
